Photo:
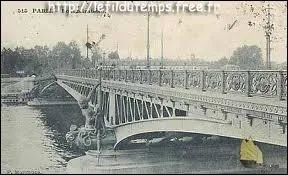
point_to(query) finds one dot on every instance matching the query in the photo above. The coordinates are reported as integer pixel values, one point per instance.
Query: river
(33, 141)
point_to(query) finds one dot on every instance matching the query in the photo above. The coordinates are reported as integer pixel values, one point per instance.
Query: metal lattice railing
(265, 83)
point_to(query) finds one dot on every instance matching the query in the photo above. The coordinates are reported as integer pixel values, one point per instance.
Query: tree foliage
(41, 59)
(113, 55)
(219, 64)
(247, 57)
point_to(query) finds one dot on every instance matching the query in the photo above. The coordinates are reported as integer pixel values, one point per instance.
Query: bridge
(235, 104)
(18, 90)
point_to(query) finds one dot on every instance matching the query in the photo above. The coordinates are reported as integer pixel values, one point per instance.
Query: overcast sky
(206, 36)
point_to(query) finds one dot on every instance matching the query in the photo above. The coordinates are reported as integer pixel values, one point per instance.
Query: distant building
(20, 73)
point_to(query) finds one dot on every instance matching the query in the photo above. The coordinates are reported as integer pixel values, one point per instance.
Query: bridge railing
(265, 83)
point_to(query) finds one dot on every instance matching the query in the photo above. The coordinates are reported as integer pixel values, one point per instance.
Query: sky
(204, 35)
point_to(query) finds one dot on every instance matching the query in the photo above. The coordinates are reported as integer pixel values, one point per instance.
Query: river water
(33, 141)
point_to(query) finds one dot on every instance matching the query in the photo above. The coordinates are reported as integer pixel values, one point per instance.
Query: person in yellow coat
(250, 154)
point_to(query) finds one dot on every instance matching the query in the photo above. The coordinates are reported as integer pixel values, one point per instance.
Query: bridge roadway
(233, 104)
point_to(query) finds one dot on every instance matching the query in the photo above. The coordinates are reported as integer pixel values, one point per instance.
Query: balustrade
(265, 83)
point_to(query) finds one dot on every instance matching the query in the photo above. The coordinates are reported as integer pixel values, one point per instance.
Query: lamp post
(104, 54)
(268, 32)
(98, 136)
(87, 37)
(148, 38)
(162, 66)
(73, 61)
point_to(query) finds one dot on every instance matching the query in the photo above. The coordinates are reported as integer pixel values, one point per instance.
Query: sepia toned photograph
(144, 87)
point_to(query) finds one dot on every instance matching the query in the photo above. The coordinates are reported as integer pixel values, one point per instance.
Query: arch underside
(47, 86)
(199, 126)
(55, 90)
(76, 95)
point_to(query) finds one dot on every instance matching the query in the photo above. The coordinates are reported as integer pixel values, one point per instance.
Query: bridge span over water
(234, 104)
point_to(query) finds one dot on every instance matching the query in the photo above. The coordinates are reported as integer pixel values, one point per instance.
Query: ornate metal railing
(265, 83)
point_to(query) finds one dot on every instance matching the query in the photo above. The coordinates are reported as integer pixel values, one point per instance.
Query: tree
(113, 55)
(247, 57)
(219, 64)
(42, 59)
(66, 56)
(9, 60)
(75, 54)
(60, 53)
(96, 56)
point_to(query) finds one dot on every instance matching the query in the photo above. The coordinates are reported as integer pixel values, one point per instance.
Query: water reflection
(57, 122)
